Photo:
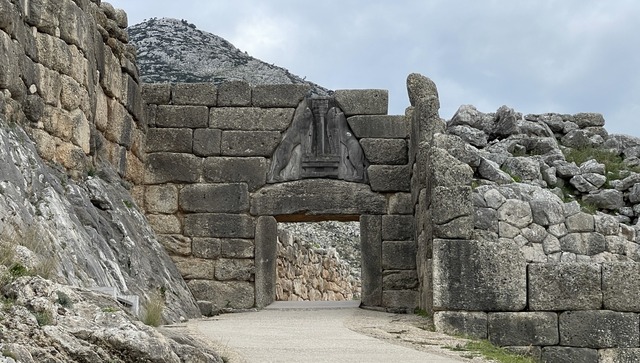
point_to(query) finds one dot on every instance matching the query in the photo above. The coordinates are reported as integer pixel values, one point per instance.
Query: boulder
(420, 87)
(473, 136)
(610, 199)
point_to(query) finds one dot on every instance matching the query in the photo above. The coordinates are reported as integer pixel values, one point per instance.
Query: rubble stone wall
(209, 151)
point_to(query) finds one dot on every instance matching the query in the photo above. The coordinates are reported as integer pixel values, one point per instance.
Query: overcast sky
(536, 56)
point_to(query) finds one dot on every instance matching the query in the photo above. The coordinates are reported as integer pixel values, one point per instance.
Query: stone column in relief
(265, 260)
(371, 246)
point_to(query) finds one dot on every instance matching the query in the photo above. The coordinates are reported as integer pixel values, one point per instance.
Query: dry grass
(34, 239)
(153, 310)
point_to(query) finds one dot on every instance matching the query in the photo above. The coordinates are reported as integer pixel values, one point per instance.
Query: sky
(535, 56)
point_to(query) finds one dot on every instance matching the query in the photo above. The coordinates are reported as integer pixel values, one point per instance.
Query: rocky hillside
(171, 50)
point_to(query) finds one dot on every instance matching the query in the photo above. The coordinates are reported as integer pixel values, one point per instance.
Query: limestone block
(547, 209)
(588, 244)
(175, 244)
(588, 119)
(134, 169)
(566, 286)
(120, 127)
(390, 178)
(219, 225)
(172, 168)
(459, 228)
(252, 170)
(400, 203)
(182, 116)
(397, 227)
(447, 170)
(400, 300)
(266, 252)
(569, 355)
(164, 224)
(81, 135)
(250, 118)
(515, 212)
(478, 275)
(206, 142)
(387, 127)
(237, 248)
(208, 248)
(161, 199)
(385, 151)
(72, 93)
(279, 95)
(621, 286)
(371, 247)
(215, 198)
(111, 78)
(54, 54)
(461, 323)
(317, 197)
(486, 219)
(71, 157)
(48, 82)
(399, 280)
(363, 102)
(449, 203)
(599, 329)
(398, 255)
(619, 355)
(606, 224)
(235, 269)
(523, 329)
(234, 93)
(156, 93)
(197, 94)
(195, 268)
(420, 87)
(610, 199)
(224, 294)
(249, 143)
(169, 140)
(132, 98)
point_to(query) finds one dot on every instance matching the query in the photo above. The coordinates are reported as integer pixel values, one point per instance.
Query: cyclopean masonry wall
(214, 192)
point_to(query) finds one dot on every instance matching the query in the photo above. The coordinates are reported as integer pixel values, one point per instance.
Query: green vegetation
(422, 313)
(33, 240)
(490, 351)
(43, 318)
(614, 164)
(153, 310)
(588, 207)
(128, 203)
(64, 300)
(110, 309)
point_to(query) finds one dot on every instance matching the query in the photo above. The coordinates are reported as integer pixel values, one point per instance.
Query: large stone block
(169, 140)
(398, 255)
(588, 244)
(387, 127)
(449, 203)
(400, 300)
(249, 143)
(621, 286)
(279, 95)
(175, 244)
(182, 116)
(252, 171)
(400, 280)
(250, 118)
(566, 286)
(172, 168)
(478, 276)
(156, 93)
(400, 203)
(206, 142)
(235, 269)
(471, 324)
(523, 329)
(363, 102)
(385, 151)
(209, 248)
(161, 199)
(569, 355)
(197, 94)
(311, 197)
(599, 329)
(447, 170)
(219, 225)
(215, 198)
(237, 248)
(224, 294)
(266, 252)
(390, 178)
(459, 228)
(371, 249)
(195, 268)
(234, 93)
(398, 227)
(164, 224)
(619, 355)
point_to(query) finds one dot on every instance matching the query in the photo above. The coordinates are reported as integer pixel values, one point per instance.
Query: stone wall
(305, 272)
(209, 156)
(70, 78)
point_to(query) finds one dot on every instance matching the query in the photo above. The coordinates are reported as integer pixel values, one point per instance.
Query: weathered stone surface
(215, 198)
(234, 93)
(567, 286)
(227, 294)
(182, 116)
(385, 151)
(588, 244)
(605, 199)
(169, 140)
(195, 268)
(588, 119)
(478, 276)
(234, 269)
(156, 93)
(172, 168)
(317, 197)
(279, 95)
(398, 255)
(400, 300)
(523, 329)
(237, 248)
(620, 286)
(161, 199)
(206, 142)
(450, 203)
(515, 212)
(390, 178)
(249, 143)
(580, 222)
(199, 94)
(399, 280)
(208, 248)
(475, 137)
(599, 329)
(252, 170)
(371, 247)
(471, 324)
(419, 87)
(397, 227)
(447, 171)
(569, 355)
(491, 171)
(619, 355)
(251, 118)
(459, 228)
(175, 244)
(400, 203)
(218, 225)
(547, 209)
(522, 168)
(266, 252)
(388, 127)
(363, 102)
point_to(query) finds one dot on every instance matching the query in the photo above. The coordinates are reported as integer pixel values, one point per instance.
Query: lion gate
(226, 163)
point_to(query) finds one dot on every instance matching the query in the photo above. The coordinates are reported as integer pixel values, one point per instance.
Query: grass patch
(153, 310)
(490, 351)
(588, 207)
(64, 300)
(110, 309)
(422, 313)
(43, 318)
(613, 163)
(33, 239)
